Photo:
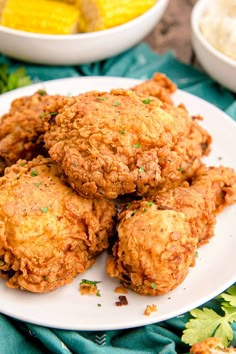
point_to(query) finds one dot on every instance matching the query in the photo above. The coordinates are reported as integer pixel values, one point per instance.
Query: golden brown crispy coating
(158, 86)
(157, 239)
(111, 144)
(21, 129)
(213, 189)
(48, 234)
(210, 345)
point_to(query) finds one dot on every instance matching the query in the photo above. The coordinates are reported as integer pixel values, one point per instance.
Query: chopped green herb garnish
(122, 132)
(99, 305)
(137, 145)
(98, 293)
(153, 285)
(46, 277)
(128, 205)
(144, 210)
(117, 103)
(44, 209)
(53, 113)
(141, 169)
(102, 98)
(22, 164)
(147, 101)
(48, 114)
(42, 92)
(180, 169)
(149, 203)
(34, 172)
(37, 184)
(91, 282)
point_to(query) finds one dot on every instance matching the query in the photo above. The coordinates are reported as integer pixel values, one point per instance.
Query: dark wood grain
(173, 32)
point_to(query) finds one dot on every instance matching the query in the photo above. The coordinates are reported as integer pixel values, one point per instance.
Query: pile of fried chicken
(120, 169)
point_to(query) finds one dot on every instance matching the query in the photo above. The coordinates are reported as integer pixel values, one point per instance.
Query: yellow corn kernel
(101, 14)
(40, 16)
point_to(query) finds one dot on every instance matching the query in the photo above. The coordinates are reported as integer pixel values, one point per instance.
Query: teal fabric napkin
(165, 337)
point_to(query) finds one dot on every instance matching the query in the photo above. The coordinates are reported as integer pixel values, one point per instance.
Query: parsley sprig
(207, 322)
(10, 80)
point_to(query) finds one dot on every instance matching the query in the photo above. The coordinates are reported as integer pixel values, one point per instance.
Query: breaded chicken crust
(157, 239)
(21, 129)
(48, 234)
(158, 86)
(111, 144)
(210, 345)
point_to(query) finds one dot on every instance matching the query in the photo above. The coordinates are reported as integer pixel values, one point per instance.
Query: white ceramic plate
(215, 266)
(82, 47)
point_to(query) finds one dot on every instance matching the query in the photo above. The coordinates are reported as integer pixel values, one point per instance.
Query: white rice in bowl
(218, 25)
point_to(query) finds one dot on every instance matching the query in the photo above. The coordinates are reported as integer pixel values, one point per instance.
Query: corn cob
(101, 14)
(40, 16)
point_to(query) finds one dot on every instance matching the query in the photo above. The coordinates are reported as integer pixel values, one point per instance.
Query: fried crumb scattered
(88, 289)
(149, 309)
(121, 290)
(122, 301)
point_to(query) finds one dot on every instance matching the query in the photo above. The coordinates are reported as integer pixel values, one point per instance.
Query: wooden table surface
(173, 32)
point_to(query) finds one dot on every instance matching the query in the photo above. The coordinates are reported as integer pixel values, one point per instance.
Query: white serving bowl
(79, 48)
(219, 66)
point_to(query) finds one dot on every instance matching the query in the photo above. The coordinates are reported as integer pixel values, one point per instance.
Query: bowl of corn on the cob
(71, 32)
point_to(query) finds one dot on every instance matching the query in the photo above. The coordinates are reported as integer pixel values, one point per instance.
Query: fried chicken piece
(157, 239)
(158, 86)
(117, 143)
(210, 345)
(48, 233)
(21, 129)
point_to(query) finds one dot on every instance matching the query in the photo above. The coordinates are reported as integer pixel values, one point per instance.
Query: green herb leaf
(44, 209)
(34, 172)
(147, 101)
(230, 296)
(149, 203)
(207, 323)
(42, 92)
(137, 145)
(117, 103)
(91, 282)
(102, 98)
(51, 114)
(141, 169)
(37, 184)
(10, 80)
(122, 132)
(153, 285)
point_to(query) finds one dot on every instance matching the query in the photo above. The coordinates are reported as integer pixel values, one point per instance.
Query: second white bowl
(217, 65)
